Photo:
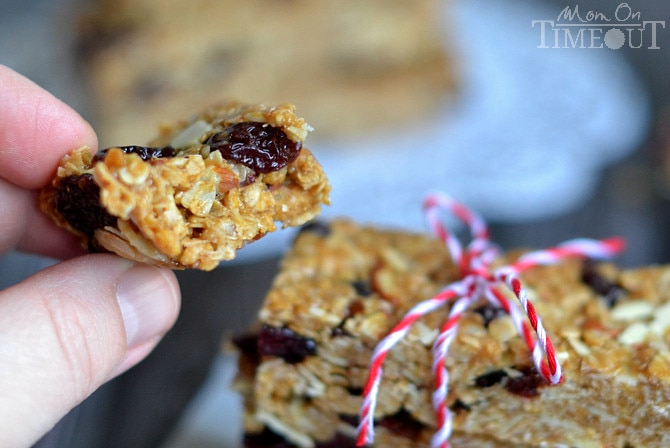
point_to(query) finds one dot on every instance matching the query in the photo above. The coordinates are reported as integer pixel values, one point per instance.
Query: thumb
(68, 329)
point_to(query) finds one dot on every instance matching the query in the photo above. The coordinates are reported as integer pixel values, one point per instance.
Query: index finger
(36, 131)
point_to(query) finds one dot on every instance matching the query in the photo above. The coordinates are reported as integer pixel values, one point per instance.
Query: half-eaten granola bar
(197, 193)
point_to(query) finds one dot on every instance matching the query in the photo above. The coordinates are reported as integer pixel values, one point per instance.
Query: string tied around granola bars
(477, 279)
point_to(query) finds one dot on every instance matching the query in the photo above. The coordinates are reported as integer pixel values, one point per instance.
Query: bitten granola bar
(342, 288)
(197, 193)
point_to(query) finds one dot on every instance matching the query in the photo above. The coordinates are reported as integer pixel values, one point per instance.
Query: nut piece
(632, 310)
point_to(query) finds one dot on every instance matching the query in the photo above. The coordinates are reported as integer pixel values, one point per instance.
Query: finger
(70, 328)
(25, 228)
(36, 131)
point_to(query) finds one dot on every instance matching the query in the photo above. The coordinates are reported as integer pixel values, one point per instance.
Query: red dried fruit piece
(145, 152)
(318, 228)
(269, 439)
(78, 202)
(491, 378)
(285, 343)
(265, 439)
(524, 385)
(402, 424)
(362, 287)
(527, 384)
(610, 291)
(259, 146)
(459, 406)
(489, 312)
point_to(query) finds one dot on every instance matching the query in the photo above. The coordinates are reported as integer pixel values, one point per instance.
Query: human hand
(73, 326)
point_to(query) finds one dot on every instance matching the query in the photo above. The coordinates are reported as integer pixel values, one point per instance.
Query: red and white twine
(477, 280)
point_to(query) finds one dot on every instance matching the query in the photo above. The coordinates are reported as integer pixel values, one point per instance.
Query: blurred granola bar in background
(340, 62)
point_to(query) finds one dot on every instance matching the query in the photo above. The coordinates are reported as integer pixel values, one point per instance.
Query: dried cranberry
(145, 153)
(527, 384)
(339, 441)
(355, 307)
(268, 439)
(259, 146)
(318, 228)
(489, 312)
(285, 343)
(490, 378)
(355, 391)
(352, 420)
(78, 202)
(402, 424)
(265, 439)
(459, 406)
(362, 287)
(246, 343)
(610, 291)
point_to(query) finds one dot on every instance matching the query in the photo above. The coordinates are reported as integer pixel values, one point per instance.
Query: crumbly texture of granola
(196, 206)
(351, 66)
(343, 287)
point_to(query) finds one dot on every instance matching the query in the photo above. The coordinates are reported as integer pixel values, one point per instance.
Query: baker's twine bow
(477, 279)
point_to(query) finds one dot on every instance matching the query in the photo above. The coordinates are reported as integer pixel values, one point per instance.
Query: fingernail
(149, 303)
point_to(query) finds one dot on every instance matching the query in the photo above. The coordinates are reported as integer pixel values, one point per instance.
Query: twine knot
(477, 280)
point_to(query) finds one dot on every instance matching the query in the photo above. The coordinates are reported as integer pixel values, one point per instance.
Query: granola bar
(343, 287)
(148, 60)
(196, 194)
